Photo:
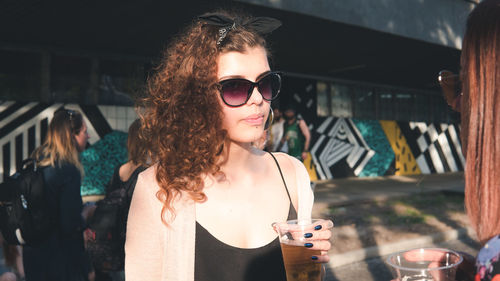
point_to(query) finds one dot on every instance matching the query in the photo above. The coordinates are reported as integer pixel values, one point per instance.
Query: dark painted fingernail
(318, 227)
(314, 258)
(308, 245)
(308, 235)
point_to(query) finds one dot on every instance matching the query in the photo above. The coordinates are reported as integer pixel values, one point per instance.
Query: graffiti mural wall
(23, 127)
(343, 147)
(340, 147)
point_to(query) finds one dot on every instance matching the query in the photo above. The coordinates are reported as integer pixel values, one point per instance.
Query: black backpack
(108, 225)
(25, 215)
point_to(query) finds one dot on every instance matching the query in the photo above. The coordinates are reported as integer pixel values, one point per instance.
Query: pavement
(353, 190)
(368, 263)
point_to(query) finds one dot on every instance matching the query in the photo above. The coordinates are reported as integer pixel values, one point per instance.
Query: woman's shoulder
(146, 191)
(288, 163)
(146, 188)
(149, 172)
(294, 173)
(147, 178)
(62, 168)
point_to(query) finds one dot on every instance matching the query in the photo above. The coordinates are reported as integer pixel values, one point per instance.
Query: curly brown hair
(182, 118)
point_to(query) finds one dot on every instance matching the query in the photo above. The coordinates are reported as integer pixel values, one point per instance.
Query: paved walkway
(350, 190)
(346, 191)
(355, 190)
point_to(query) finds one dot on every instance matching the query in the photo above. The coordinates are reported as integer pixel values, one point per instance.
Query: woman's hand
(319, 239)
(304, 155)
(314, 237)
(464, 271)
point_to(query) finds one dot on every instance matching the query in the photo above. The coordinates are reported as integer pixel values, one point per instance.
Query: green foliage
(405, 215)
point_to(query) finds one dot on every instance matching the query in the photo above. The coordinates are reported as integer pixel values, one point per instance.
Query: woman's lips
(254, 120)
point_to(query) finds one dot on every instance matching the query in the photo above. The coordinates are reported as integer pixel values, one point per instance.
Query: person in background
(276, 132)
(204, 209)
(296, 134)
(480, 132)
(124, 177)
(126, 174)
(62, 256)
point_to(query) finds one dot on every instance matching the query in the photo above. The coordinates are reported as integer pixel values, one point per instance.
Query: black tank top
(215, 260)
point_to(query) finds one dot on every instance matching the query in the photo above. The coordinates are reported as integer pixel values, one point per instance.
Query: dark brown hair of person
(182, 118)
(136, 149)
(481, 118)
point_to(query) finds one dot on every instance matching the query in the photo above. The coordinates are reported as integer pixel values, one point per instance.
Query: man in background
(296, 134)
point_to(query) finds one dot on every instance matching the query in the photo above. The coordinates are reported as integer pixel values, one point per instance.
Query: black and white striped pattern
(22, 127)
(436, 147)
(339, 148)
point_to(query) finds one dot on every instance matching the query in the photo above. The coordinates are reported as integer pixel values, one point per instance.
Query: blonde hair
(60, 144)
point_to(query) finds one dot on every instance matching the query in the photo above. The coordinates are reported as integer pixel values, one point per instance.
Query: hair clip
(223, 32)
(261, 25)
(71, 113)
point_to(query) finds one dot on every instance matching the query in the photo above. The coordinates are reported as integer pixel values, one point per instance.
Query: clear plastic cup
(424, 264)
(297, 258)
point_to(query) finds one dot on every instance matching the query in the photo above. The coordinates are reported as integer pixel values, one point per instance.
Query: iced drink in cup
(297, 258)
(424, 264)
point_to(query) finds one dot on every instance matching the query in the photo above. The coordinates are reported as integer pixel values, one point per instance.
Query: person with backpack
(105, 237)
(61, 256)
(296, 134)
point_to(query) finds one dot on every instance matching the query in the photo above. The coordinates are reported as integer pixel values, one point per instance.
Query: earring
(270, 119)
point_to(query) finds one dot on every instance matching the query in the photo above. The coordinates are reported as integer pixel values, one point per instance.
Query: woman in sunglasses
(204, 210)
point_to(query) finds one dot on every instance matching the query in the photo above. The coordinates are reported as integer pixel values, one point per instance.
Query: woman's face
(245, 123)
(82, 137)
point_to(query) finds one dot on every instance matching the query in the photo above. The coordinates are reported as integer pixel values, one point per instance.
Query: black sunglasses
(236, 92)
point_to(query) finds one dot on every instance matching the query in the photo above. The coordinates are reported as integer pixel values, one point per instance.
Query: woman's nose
(255, 97)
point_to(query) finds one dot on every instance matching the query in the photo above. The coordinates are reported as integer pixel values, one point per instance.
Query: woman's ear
(450, 85)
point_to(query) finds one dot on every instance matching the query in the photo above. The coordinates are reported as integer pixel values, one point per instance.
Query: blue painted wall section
(100, 160)
(376, 139)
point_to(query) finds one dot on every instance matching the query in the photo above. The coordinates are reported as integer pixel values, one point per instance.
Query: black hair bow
(261, 25)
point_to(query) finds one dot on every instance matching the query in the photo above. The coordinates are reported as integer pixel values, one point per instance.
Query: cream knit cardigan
(156, 252)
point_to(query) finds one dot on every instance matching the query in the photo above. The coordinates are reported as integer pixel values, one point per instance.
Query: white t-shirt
(276, 134)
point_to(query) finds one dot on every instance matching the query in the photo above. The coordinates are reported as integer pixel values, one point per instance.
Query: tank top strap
(282, 178)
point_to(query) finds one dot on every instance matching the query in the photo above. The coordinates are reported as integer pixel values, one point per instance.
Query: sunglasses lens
(235, 92)
(269, 86)
(449, 82)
